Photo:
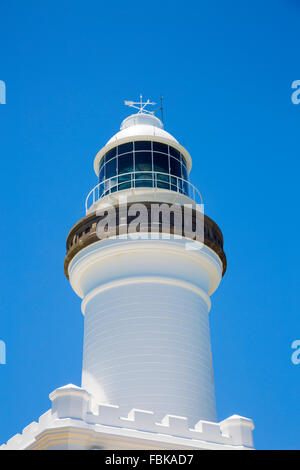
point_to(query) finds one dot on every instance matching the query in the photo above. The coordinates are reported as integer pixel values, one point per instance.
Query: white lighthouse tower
(145, 262)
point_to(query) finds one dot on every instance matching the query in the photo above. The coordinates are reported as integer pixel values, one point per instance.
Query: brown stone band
(84, 232)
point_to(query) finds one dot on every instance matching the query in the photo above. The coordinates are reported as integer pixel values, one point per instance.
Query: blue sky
(225, 70)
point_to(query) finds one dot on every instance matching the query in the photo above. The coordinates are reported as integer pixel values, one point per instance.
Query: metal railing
(142, 179)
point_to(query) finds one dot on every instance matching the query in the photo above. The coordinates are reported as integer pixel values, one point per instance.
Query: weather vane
(140, 105)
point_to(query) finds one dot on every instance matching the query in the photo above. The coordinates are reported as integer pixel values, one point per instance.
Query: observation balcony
(143, 179)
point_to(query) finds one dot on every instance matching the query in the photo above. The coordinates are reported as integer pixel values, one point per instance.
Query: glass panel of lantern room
(125, 148)
(110, 175)
(175, 153)
(175, 169)
(111, 168)
(184, 171)
(143, 163)
(142, 145)
(125, 169)
(101, 174)
(101, 179)
(158, 147)
(111, 154)
(185, 177)
(161, 166)
(125, 163)
(160, 162)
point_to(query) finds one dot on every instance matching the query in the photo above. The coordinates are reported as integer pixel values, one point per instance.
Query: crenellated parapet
(76, 421)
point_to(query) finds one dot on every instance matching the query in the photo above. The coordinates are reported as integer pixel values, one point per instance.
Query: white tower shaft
(146, 338)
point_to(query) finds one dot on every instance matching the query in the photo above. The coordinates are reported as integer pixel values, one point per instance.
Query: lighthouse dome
(141, 124)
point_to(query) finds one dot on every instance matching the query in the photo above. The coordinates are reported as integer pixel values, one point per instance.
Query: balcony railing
(142, 179)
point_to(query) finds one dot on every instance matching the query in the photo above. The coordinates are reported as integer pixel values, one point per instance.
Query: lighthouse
(145, 261)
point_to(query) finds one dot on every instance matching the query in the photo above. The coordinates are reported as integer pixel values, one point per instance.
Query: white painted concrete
(146, 332)
(74, 423)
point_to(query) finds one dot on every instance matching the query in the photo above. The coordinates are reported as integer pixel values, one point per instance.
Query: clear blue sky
(225, 70)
